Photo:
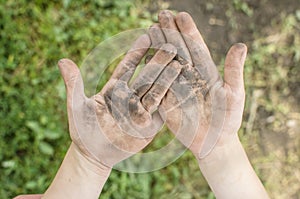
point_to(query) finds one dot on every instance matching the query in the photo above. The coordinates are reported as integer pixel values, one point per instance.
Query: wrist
(88, 164)
(224, 159)
(224, 150)
(207, 147)
(78, 177)
(229, 172)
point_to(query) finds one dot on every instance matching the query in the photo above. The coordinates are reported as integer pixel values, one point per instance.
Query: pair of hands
(180, 85)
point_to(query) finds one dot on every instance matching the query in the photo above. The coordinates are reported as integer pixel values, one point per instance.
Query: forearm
(230, 174)
(77, 177)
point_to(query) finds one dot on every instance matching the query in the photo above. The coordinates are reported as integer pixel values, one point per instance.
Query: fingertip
(67, 68)
(146, 39)
(175, 64)
(72, 78)
(238, 54)
(182, 17)
(234, 66)
(61, 62)
(154, 29)
(165, 15)
(143, 42)
(239, 49)
(169, 48)
(240, 45)
(65, 61)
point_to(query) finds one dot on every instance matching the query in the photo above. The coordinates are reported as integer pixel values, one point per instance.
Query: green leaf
(51, 135)
(46, 148)
(8, 164)
(31, 185)
(34, 126)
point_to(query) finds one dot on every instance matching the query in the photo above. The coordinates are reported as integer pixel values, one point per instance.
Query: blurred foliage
(33, 122)
(34, 36)
(270, 132)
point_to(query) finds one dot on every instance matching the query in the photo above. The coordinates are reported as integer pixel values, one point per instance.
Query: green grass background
(34, 35)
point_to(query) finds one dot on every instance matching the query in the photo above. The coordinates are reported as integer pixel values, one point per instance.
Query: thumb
(234, 66)
(73, 81)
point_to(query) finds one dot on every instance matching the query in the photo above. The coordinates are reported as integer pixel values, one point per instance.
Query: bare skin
(117, 122)
(201, 109)
(212, 104)
(199, 91)
(114, 124)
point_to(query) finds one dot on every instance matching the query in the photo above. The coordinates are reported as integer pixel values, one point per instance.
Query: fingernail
(61, 62)
(163, 12)
(242, 48)
(166, 14)
(183, 17)
(241, 45)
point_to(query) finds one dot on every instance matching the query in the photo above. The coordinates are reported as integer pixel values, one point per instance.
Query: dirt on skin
(274, 152)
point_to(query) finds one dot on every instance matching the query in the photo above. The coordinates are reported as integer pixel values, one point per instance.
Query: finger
(151, 71)
(73, 81)
(172, 34)
(187, 26)
(153, 97)
(198, 50)
(128, 111)
(157, 37)
(234, 66)
(127, 66)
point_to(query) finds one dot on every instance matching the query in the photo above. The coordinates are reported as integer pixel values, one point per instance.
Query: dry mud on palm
(271, 136)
